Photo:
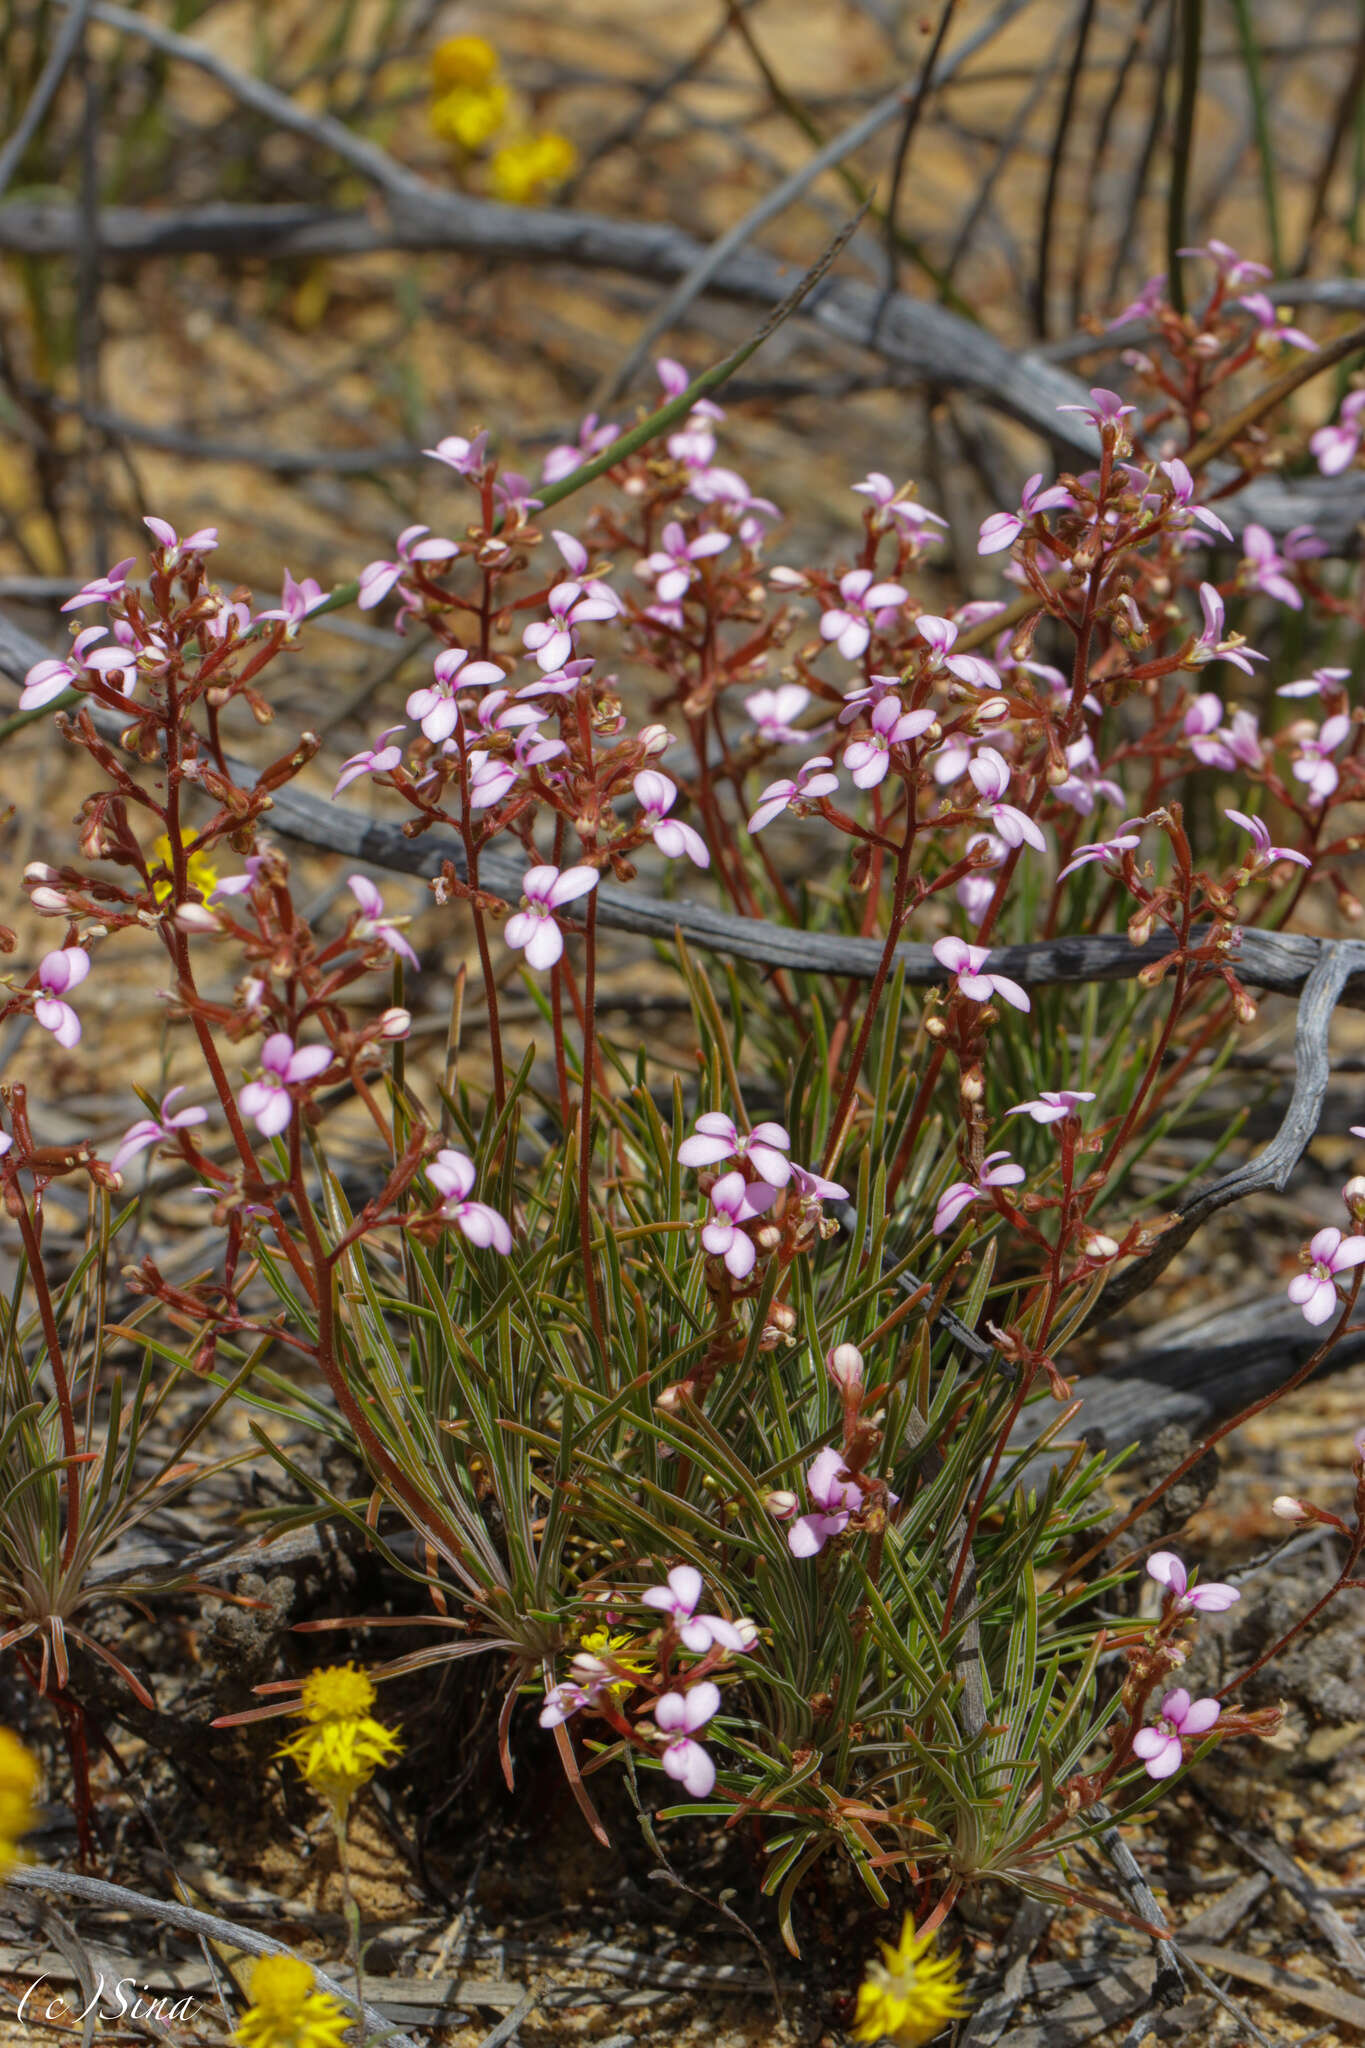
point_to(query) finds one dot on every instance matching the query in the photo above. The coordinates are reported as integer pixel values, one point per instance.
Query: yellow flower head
(522, 171)
(600, 1643)
(906, 1997)
(286, 2012)
(470, 115)
(342, 1747)
(18, 1783)
(201, 874)
(463, 60)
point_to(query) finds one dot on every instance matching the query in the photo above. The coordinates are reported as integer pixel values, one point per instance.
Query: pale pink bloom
(372, 922)
(1234, 270)
(1144, 305)
(466, 458)
(1085, 784)
(1264, 568)
(1160, 1746)
(545, 890)
(563, 1700)
(1169, 1571)
(940, 635)
(673, 566)
(907, 513)
(49, 679)
(833, 1501)
(1337, 445)
(1315, 1291)
(375, 760)
(1314, 764)
(513, 493)
(1267, 318)
(656, 795)
(268, 1101)
(1263, 854)
(813, 780)
(453, 1175)
(772, 711)
(683, 1758)
(491, 776)
(697, 1632)
(298, 600)
(1211, 644)
(378, 578)
(1324, 682)
(866, 605)
(956, 1198)
(435, 704)
(718, 1138)
(570, 605)
(867, 759)
(1003, 529)
(1106, 409)
(1182, 491)
(101, 589)
(593, 437)
(58, 973)
(172, 548)
(812, 1187)
(990, 772)
(1105, 850)
(966, 963)
(1052, 1105)
(864, 695)
(239, 885)
(711, 486)
(734, 1204)
(560, 682)
(154, 1130)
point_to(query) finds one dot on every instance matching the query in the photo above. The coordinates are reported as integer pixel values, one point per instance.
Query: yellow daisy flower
(906, 1998)
(470, 115)
(523, 171)
(286, 2011)
(201, 874)
(342, 1746)
(463, 60)
(601, 1643)
(18, 1783)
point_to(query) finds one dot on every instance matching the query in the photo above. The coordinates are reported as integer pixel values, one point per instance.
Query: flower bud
(782, 1317)
(196, 917)
(844, 1364)
(656, 739)
(768, 1238)
(395, 1023)
(786, 579)
(992, 709)
(1098, 1246)
(935, 1027)
(49, 902)
(1287, 1509)
(781, 1505)
(39, 871)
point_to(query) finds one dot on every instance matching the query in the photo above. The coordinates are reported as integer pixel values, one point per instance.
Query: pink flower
(1160, 1746)
(1264, 567)
(1329, 1253)
(718, 1137)
(1337, 445)
(956, 1198)
(1211, 645)
(813, 1188)
(990, 772)
(833, 1501)
(657, 795)
(868, 759)
(1273, 329)
(434, 705)
(466, 458)
(734, 1204)
(570, 605)
(966, 963)
(49, 679)
(58, 973)
(491, 776)
(545, 890)
(907, 513)
(1053, 1104)
(1085, 784)
(865, 602)
(698, 1632)
(378, 578)
(1233, 270)
(1105, 410)
(101, 589)
(375, 760)
(1263, 854)
(1182, 493)
(172, 548)
(453, 1175)
(1002, 529)
(683, 1758)
(1168, 1570)
(563, 460)
(297, 601)
(562, 1701)
(1324, 682)
(772, 711)
(1144, 305)
(976, 891)
(1101, 849)
(940, 636)
(372, 924)
(673, 567)
(812, 781)
(1314, 764)
(154, 1130)
(268, 1101)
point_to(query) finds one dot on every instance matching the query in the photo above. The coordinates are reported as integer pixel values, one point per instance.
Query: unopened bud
(1287, 1509)
(39, 871)
(395, 1023)
(972, 1086)
(656, 739)
(844, 1364)
(768, 1238)
(786, 579)
(781, 1505)
(1245, 1008)
(935, 1027)
(196, 917)
(1098, 1246)
(992, 710)
(48, 902)
(781, 1316)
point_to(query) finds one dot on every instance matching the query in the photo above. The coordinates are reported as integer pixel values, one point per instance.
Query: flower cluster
(341, 1746)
